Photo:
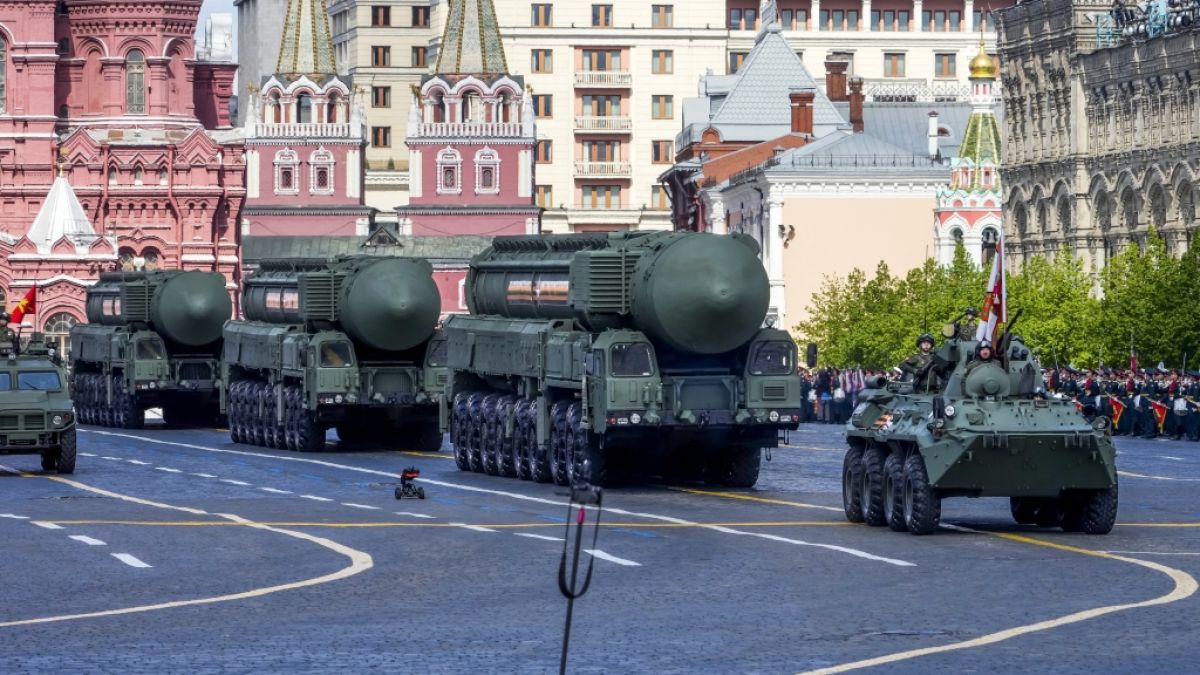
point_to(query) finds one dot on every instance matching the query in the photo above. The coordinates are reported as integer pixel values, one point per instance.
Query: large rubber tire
(922, 507)
(1100, 511)
(1024, 510)
(490, 447)
(872, 496)
(560, 445)
(131, 415)
(893, 492)
(736, 467)
(310, 436)
(65, 459)
(852, 484)
(524, 441)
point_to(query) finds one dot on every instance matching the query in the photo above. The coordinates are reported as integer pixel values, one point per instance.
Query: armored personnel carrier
(348, 343)
(36, 417)
(152, 340)
(645, 347)
(970, 428)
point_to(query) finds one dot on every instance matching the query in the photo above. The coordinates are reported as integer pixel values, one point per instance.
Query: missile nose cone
(392, 305)
(192, 308)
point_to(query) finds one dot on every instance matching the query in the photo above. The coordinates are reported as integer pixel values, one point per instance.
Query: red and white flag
(995, 299)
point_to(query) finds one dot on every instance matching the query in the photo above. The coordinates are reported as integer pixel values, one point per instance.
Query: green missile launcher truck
(347, 343)
(153, 339)
(36, 417)
(583, 352)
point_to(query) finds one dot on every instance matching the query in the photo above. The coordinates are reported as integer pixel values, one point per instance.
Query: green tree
(1141, 304)
(1059, 319)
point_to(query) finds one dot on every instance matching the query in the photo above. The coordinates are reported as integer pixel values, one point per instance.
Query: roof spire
(471, 42)
(307, 45)
(61, 215)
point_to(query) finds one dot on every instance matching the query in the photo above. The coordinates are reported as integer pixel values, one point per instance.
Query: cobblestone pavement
(179, 551)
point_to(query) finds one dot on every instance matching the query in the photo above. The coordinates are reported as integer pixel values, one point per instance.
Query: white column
(716, 215)
(865, 20)
(353, 174)
(414, 173)
(969, 16)
(816, 15)
(773, 256)
(916, 16)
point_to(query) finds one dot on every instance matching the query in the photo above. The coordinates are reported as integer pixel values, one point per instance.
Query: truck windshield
(336, 355)
(436, 355)
(5, 381)
(151, 350)
(773, 358)
(631, 360)
(39, 380)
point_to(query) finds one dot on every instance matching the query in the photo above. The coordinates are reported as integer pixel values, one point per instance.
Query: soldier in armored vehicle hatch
(983, 355)
(966, 330)
(918, 365)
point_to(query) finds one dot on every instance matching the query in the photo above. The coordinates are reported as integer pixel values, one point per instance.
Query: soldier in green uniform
(966, 330)
(983, 355)
(8, 338)
(917, 365)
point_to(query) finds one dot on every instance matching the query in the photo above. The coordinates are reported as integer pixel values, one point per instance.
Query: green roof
(980, 146)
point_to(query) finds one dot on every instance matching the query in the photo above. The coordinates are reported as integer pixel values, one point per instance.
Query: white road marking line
(1173, 459)
(413, 515)
(505, 493)
(360, 506)
(129, 560)
(204, 475)
(276, 491)
(1131, 474)
(114, 459)
(316, 498)
(597, 553)
(87, 540)
(138, 462)
(476, 528)
(88, 454)
(48, 526)
(13, 516)
(234, 482)
(543, 537)
(167, 469)
(1153, 552)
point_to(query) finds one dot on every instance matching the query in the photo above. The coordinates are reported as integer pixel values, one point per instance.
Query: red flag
(1118, 408)
(27, 305)
(1160, 413)
(995, 299)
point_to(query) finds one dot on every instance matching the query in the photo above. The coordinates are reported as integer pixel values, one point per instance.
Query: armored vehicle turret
(585, 350)
(36, 416)
(152, 340)
(348, 343)
(972, 426)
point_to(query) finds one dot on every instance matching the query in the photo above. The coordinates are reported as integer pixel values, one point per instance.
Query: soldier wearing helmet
(918, 364)
(983, 355)
(966, 330)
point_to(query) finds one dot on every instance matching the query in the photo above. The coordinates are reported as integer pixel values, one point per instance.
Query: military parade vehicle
(152, 340)
(348, 343)
(583, 350)
(968, 426)
(36, 417)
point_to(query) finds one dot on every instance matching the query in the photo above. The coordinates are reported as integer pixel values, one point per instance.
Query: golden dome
(983, 66)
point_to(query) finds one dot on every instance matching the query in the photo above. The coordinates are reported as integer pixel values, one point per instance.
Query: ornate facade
(115, 90)
(1102, 132)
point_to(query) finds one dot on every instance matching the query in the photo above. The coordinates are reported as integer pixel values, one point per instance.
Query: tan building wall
(834, 235)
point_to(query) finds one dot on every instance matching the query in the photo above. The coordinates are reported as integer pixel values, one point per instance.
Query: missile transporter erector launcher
(585, 350)
(153, 339)
(977, 428)
(348, 343)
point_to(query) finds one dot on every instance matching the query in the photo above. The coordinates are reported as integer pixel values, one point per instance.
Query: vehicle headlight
(351, 398)
(773, 416)
(635, 419)
(949, 411)
(57, 420)
(337, 399)
(153, 385)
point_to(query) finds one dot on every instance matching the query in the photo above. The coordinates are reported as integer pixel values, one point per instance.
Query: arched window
(321, 163)
(57, 330)
(957, 235)
(1186, 198)
(162, 176)
(1158, 206)
(487, 172)
(1104, 211)
(472, 107)
(331, 108)
(276, 109)
(439, 107)
(135, 83)
(150, 259)
(1064, 214)
(287, 167)
(989, 240)
(1043, 216)
(1129, 213)
(3, 75)
(1022, 219)
(449, 165)
(137, 175)
(304, 108)
(125, 260)
(112, 175)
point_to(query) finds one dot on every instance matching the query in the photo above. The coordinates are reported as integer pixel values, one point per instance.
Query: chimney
(933, 134)
(802, 110)
(835, 80)
(856, 104)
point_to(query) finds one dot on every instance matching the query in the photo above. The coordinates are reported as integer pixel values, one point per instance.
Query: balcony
(603, 170)
(305, 130)
(603, 79)
(470, 130)
(608, 125)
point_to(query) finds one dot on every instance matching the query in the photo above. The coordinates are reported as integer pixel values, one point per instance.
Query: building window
(838, 20)
(381, 97)
(381, 57)
(663, 106)
(793, 19)
(662, 16)
(544, 152)
(304, 109)
(981, 17)
(287, 165)
(661, 152)
(743, 18)
(545, 196)
(162, 176)
(602, 60)
(57, 331)
(602, 16)
(381, 137)
(542, 15)
(890, 20)
(606, 105)
(420, 17)
(112, 175)
(419, 57)
(138, 176)
(940, 20)
(601, 197)
(663, 61)
(381, 15)
(602, 151)
(487, 172)
(893, 65)
(543, 105)
(321, 163)
(944, 65)
(449, 167)
(659, 199)
(543, 61)
(736, 59)
(135, 83)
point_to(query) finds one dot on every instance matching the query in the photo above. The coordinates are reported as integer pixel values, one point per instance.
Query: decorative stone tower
(969, 209)
(470, 136)
(304, 138)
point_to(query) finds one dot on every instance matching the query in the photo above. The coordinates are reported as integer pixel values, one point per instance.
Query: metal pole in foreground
(583, 495)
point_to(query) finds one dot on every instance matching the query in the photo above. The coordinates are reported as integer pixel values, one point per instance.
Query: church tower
(305, 138)
(969, 209)
(470, 136)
